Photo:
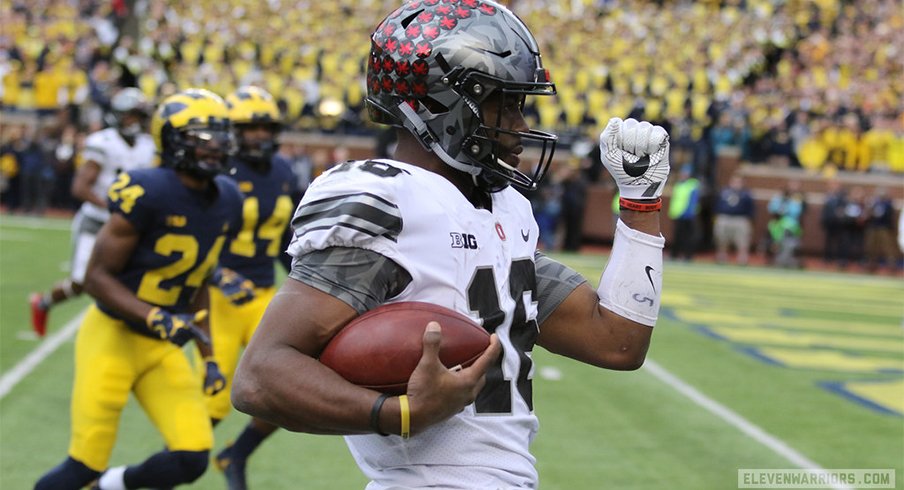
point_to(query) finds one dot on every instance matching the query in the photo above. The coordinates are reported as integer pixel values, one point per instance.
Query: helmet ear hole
(476, 148)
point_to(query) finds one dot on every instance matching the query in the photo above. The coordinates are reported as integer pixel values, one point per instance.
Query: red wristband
(641, 206)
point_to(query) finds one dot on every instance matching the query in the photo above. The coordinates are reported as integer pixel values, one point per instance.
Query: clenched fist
(637, 156)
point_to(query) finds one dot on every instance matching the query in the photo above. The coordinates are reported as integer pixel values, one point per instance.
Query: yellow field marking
(831, 360)
(889, 395)
(781, 337)
(675, 300)
(767, 318)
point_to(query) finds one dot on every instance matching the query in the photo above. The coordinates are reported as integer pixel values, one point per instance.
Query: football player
(122, 147)
(148, 274)
(268, 184)
(455, 81)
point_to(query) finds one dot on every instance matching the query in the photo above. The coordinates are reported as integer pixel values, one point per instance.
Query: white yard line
(35, 223)
(11, 378)
(753, 431)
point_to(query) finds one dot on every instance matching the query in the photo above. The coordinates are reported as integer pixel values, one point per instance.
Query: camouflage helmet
(433, 62)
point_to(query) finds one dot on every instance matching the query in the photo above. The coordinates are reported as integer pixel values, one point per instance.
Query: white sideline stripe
(33, 223)
(753, 431)
(34, 358)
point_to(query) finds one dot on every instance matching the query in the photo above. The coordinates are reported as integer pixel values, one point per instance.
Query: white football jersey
(474, 261)
(109, 150)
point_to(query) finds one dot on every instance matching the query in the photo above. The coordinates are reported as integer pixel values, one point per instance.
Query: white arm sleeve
(631, 285)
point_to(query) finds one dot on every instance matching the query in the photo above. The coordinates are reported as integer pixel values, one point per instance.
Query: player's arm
(214, 381)
(604, 338)
(116, 241)
(84, 180)
(611, 327)
(280, 379)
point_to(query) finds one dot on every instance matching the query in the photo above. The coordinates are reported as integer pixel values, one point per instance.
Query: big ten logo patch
(463, 240)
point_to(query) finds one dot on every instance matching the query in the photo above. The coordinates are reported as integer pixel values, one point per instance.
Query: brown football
(380, 349)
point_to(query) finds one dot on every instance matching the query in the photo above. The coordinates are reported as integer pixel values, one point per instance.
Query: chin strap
(416, 126)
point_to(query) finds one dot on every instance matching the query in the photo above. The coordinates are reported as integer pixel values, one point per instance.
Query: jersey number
(125, 194)
(272, 229)
(496, 396)
(379, 169)
(150, 288)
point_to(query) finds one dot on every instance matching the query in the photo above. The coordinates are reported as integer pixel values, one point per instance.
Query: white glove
(637, 156)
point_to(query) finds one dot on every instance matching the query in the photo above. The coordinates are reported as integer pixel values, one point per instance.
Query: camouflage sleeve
(555, 281)
(361, 278)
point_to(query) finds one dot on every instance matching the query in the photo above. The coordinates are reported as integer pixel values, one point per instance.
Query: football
(380, 349)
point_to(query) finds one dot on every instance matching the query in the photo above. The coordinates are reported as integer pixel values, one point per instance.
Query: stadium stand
(812, 89)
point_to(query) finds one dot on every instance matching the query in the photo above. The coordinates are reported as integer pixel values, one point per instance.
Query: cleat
(38, 314)
(233, 469)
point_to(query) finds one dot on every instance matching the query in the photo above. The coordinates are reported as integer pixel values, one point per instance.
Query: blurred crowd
(817, 84)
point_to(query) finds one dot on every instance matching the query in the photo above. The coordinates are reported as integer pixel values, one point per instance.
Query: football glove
(637, 156)
(178, 328)
(214, 381)
(233, 285)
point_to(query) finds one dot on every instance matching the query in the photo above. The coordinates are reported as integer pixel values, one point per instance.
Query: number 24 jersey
(181, 230)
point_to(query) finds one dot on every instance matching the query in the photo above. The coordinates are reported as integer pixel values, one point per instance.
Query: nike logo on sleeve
(648, 269)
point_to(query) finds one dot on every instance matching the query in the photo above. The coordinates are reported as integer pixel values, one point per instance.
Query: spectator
(10, 186)
(734, 221)
(784, 238)
(879, 236)
(35, 172)
(853, 224)
(684, 209)
(546, 203)
(724, 133)
(831, 220)
(67, 158)
(574, 193)
(783, 232)
(799, 132)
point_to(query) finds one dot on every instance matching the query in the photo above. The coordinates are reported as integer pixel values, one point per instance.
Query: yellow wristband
(406, 416)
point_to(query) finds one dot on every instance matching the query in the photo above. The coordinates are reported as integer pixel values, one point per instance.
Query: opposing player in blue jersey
(268, 184)
(148, 273)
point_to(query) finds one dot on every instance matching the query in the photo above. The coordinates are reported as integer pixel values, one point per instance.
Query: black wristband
(375, 414)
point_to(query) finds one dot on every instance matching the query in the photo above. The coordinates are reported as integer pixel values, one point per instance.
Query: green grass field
(803, 368)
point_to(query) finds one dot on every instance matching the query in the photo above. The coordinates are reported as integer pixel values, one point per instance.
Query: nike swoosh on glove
(637, 156)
